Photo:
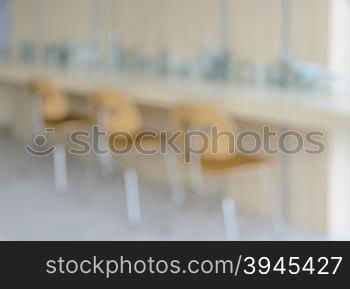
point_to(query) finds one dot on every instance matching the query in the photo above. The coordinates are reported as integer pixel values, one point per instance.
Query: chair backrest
(204, 118)
(116, 112)
(54, 104)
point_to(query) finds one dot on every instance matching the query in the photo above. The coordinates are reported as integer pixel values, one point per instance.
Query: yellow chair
(218, 161)
(115, 114)
(57, 117)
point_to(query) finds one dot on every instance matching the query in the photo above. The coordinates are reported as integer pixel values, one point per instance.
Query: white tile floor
(95, 209)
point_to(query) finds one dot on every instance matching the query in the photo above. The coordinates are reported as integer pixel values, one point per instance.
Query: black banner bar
(111, 263)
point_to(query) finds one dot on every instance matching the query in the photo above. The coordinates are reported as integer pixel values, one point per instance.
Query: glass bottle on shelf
(27, 52)
(217, 65)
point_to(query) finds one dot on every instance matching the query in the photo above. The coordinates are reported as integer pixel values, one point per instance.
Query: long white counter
(322, 110)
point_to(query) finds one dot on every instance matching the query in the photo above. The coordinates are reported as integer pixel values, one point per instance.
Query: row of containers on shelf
(220, 65)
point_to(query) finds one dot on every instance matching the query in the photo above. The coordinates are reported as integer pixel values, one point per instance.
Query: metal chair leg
(37, 121)
(196, 174)
(176, 184)
(132, 196)
(106, 164)
(230, 219)
(106, 160)
(60, 169)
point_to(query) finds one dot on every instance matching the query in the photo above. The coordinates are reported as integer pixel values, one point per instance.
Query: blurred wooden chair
(217, 161)
(114, 115)
(52, 111)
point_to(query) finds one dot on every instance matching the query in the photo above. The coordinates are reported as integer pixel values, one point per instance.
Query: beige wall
(255, 30)
(310, 21)
(179, 25)
(52, 20)
(182, 25)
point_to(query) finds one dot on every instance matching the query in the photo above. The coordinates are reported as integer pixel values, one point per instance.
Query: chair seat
(234, 163)
(69, 123)
(148, 142)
